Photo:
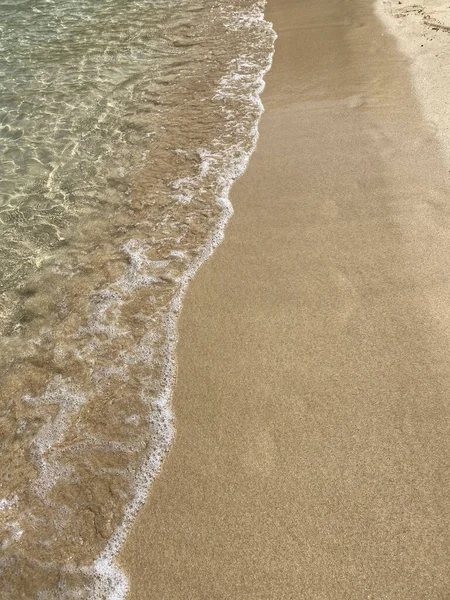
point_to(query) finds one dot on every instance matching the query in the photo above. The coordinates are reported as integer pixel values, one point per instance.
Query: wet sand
(312, 456)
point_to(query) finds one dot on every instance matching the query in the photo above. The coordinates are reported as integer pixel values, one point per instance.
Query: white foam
(70, 400)
(227, 162)
(133, 419)
(6, 504)
(15, 532)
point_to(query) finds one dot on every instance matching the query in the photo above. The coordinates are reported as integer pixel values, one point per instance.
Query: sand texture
(312, 456)
(422, 31)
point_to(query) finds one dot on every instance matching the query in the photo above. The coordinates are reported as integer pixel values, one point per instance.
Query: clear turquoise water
(76, 77)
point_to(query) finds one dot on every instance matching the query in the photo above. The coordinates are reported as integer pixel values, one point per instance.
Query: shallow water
(122, 129)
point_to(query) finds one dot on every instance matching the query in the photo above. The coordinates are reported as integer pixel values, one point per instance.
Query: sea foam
(225, 163)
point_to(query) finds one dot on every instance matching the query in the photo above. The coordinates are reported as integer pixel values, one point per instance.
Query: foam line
(226, 165)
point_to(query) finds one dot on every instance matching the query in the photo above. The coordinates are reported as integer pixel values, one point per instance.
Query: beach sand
(422, 31)
(312, 455)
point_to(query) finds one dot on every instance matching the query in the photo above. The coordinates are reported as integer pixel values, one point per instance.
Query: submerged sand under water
(87, 361)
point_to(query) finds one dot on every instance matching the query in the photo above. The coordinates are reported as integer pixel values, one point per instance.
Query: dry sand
(312, 459)
(422, 30)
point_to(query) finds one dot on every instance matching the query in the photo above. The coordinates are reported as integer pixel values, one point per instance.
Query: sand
(312, 456)
(422, 31)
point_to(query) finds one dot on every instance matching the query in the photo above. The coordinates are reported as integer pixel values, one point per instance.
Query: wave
(102, 424)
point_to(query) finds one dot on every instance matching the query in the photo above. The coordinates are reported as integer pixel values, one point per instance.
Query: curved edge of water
(110, 580)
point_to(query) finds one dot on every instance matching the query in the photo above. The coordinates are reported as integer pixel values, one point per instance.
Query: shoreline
(113, 580)
(313, 449)
(88, 374)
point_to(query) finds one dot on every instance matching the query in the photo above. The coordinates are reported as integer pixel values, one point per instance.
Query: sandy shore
(312, 457)
(422, 31)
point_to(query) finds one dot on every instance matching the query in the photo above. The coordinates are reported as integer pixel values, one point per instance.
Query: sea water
(122, 128)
